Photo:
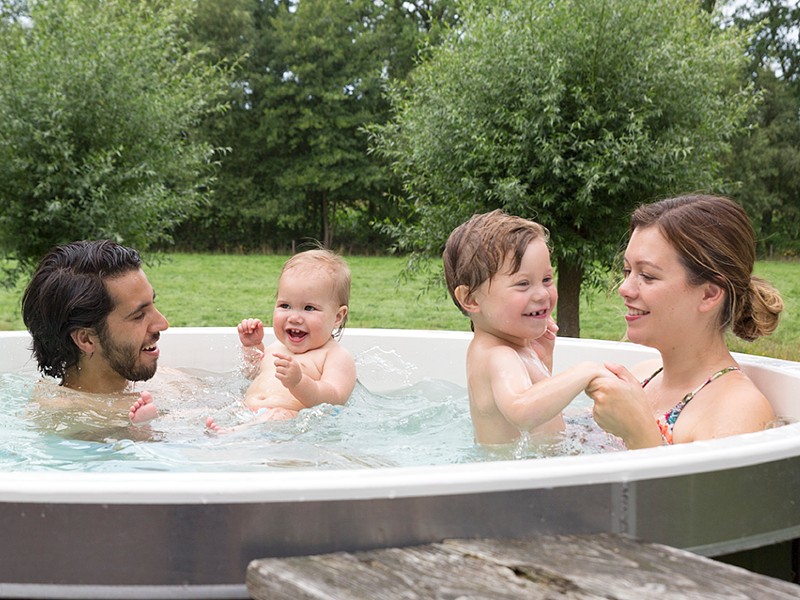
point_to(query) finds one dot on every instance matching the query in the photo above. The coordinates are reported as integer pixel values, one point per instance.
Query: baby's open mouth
(295, 335)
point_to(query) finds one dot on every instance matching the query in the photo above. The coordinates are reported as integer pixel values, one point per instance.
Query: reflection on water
(425, 423)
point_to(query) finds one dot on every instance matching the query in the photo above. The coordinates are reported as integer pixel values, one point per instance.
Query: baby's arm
(251, 335)
(528, 405)
(333, 387)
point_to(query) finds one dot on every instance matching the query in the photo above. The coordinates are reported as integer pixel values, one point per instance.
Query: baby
(305, 365)
(498, 273)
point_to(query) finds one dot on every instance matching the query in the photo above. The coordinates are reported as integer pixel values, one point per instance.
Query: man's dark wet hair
(67, 293)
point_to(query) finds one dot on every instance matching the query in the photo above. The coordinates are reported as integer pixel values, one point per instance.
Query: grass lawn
(204, 290)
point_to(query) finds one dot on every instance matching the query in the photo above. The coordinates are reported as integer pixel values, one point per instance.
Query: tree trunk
(326, 225)
(570, 278)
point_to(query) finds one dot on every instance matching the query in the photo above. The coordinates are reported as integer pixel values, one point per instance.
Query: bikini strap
(715, 376)
(646, 381)
(672, 415)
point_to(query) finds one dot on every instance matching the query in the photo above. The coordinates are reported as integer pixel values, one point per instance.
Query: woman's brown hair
(716, 243)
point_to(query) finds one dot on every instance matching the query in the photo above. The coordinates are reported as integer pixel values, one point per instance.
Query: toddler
(498, 273)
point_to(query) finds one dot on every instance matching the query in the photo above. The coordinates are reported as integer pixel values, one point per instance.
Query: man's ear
(713, 295)
(465, 299)
(85, 339)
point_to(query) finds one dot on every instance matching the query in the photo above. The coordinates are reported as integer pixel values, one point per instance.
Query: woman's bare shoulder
(646, 368)
(733, 404)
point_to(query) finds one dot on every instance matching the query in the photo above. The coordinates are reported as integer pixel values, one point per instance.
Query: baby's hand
(287, 370)
(251, 332)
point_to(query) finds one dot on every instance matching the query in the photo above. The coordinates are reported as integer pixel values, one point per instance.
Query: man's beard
(124, 360)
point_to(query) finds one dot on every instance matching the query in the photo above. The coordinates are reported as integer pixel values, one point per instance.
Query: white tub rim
(394, 482)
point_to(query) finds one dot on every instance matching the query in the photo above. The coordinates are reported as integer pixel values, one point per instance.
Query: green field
(204, 290)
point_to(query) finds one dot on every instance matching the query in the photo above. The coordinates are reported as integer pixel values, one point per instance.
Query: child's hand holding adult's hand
(621, 408)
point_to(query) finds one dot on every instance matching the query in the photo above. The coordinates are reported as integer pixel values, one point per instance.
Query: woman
(687, 279)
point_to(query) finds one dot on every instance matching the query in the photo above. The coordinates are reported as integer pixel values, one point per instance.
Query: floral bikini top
(672, 415)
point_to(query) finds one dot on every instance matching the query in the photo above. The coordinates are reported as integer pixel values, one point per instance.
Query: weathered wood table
(602, 566)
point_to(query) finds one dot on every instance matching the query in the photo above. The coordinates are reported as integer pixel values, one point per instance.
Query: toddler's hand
(251, 332)
(543, 346)
(551, 330)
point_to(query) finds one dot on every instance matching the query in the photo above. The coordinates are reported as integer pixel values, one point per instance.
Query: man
(91, 313)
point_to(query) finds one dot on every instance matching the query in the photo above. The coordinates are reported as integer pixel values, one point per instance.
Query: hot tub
(192, 535)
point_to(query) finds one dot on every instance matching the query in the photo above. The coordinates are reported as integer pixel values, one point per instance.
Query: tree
(323, 84)
(310, 77)
(764, 168)
(99, 104)
(232, 32)
(567, 112)
(765, 163)
(774, 46)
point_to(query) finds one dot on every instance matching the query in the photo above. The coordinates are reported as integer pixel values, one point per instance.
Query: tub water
(181, 514)
(420, 423)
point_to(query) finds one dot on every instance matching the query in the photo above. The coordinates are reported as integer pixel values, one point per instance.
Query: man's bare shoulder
(48, 394)
(85, 416)
(51, 396)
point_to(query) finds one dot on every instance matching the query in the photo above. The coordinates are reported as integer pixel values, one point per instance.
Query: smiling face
(306, 310)
(662, 307)
(128, 342)
(516, 306)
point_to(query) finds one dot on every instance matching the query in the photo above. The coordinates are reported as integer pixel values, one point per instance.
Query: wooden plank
(590, 567)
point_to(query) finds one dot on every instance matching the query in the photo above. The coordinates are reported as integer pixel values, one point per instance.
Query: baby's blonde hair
(334, 266)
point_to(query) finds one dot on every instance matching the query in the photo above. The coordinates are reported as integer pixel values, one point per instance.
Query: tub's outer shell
(117, 535)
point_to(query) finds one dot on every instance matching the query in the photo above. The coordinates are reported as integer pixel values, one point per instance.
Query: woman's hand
(621, 408)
